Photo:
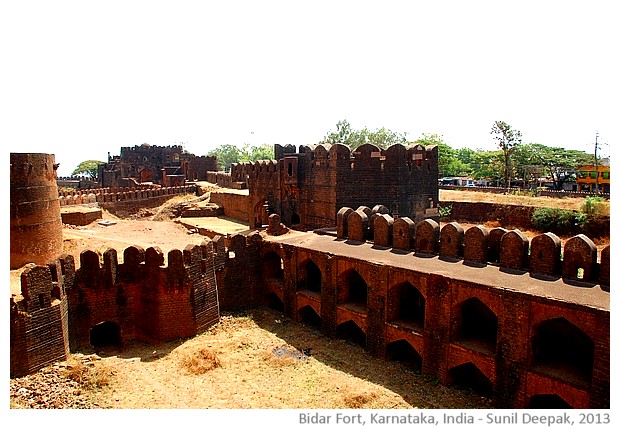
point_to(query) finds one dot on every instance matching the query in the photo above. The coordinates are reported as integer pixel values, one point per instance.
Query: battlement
(110, 195)
(543, 255)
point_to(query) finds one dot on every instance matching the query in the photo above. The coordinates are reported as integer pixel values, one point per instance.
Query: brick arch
(468, 375)
(548, 401)
(272, 266)
(404, 352)
(562, 350)
(309, 276)
(406, 305)
(475, 325)
(309, 315)
(352, 288)
(349, 330)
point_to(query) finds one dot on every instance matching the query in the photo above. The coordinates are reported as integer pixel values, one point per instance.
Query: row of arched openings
(558, 347)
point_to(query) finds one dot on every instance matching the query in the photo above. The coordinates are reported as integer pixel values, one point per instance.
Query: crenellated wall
(307, 188)
(543, 255)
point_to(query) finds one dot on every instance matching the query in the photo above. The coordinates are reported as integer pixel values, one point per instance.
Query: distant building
(162, 165)
(587, 177)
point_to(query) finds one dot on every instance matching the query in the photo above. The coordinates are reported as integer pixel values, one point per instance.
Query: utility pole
(596, 162)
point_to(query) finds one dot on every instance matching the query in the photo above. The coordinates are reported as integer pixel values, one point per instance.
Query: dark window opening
(273, 266)
(408, 305)
(354, 290)
(312, 278)
(478, 329)
(308, 316)
(295, 219)
(105, 335)
(41, 300)
(349, 331)
(401, 351)
(469, 377)
(562, 350)
(550, 402)
(290, 169)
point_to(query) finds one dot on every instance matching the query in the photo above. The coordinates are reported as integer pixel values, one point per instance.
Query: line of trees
(513, 162)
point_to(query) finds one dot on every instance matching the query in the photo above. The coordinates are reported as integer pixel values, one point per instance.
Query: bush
(558, 220)
(594, 206)
(444, 212)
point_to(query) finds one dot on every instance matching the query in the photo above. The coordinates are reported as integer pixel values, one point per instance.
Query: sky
(81, 79)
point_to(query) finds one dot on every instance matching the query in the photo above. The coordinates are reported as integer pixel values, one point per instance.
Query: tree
(226, 154)
(381, 137)
(560, 164)
(89, 168)
(507, 140)
(256, 153)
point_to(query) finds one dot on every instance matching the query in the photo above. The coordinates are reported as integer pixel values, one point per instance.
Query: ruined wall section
(39, 320)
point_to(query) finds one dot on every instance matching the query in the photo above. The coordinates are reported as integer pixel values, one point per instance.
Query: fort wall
(481, 322)
(307, 188)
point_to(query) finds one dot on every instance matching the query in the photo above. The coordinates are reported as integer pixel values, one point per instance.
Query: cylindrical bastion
(36, 224)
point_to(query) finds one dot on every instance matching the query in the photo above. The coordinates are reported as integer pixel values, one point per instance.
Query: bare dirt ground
(257, 359)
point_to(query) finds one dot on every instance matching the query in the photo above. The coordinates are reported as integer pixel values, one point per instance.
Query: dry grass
(199, 361)
(264, 363)
(524, 200)
(87, 373)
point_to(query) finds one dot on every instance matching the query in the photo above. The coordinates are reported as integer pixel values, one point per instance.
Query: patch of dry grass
(88, 374)
(524, 200)
(199, 361)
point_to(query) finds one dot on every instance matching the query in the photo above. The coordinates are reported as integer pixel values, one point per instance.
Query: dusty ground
(250, 360)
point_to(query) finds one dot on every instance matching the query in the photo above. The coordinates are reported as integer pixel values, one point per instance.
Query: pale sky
(82, 78)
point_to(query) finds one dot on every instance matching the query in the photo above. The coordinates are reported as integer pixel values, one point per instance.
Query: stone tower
(36, 225)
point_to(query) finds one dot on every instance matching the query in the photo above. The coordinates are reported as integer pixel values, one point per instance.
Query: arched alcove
(274, 302)
(468, 376)
(404, 353)
(548, 401)
(273, 266)
(353, 290)
(105, 335)
(477, 327)
(562, 350)
(406, 305)
(310, 317)
(310, 277)
(349, 331)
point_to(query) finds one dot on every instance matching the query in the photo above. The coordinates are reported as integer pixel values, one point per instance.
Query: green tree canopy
(381, 137)
(226, 154)
(89, 168)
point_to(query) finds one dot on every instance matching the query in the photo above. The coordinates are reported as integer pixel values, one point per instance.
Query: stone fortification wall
(488, 329)
(36, 225)
(308, 187)
(112, 195)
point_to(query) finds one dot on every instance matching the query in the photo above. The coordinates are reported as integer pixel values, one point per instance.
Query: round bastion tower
(36, 224)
